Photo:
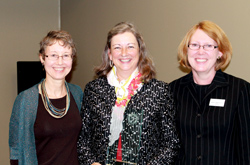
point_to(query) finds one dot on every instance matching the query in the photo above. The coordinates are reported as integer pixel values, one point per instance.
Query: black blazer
(158, 140)
(214, 134)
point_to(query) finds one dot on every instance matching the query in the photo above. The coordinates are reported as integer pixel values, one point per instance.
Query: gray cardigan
(21, 126)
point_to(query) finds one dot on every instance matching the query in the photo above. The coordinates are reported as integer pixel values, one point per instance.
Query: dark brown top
(56, 138)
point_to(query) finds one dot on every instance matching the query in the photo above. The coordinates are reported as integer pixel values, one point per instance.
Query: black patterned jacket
(159, 140)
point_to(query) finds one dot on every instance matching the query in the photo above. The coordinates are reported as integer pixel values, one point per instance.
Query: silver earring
(218, 58)
(111, 63)
(42, 63)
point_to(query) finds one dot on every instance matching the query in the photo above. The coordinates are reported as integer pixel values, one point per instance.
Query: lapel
(218, 81)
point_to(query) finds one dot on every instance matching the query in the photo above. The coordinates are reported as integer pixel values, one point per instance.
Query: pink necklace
(133, 86)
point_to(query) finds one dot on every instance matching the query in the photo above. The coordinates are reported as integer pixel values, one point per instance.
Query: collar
(113, 79)
(219, 79)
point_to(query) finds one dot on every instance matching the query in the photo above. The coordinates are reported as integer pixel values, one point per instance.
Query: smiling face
(124, 53)
(58, 69)
(202, 61)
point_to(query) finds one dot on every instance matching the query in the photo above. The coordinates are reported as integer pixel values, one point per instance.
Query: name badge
(217, 102)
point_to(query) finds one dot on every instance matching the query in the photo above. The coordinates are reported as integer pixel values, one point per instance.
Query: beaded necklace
(50, 108)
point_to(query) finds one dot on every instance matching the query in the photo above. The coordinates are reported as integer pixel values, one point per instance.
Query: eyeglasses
(54, 57)
(207, 47)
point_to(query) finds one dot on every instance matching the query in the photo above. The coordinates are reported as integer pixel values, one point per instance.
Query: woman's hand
(96, 163)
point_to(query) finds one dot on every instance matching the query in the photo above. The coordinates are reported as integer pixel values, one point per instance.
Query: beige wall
(23, 24)
(163, 24)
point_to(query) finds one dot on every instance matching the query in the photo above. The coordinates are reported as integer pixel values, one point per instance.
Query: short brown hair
(54, 36)
(214, 32)
(145, 64)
